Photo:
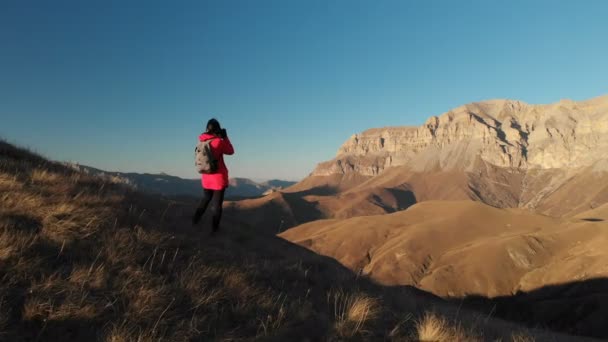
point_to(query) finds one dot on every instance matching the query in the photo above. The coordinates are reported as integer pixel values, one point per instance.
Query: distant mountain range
(168, 185)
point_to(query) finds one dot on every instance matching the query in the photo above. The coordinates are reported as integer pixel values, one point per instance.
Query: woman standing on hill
(214, 184)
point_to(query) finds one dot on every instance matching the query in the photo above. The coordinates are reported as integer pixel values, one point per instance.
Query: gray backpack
(203, 158)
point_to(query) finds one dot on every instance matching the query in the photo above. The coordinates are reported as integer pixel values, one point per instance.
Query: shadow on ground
(593, 219)
(577, 308)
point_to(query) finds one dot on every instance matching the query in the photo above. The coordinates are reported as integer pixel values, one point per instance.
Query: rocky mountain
(497, 199)
(502, 152)
(175, 186)
(507, 154)
(503, 133)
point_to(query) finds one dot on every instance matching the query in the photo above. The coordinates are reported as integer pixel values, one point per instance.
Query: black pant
(216, 198)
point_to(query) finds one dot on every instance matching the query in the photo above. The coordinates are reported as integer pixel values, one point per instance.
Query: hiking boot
(197, 217)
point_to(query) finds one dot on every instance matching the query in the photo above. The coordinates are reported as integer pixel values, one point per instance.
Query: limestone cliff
(504, 133)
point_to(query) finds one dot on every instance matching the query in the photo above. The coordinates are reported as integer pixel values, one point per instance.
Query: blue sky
(128, 85)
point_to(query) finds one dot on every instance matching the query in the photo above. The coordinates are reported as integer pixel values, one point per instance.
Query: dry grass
(94, 277)
(522, 337)
(90, 258)
(43, 176)
(46, 309)
(9, 183)
(12, 242)
(275, 319)
(5, 313)
(434, 328)
(352, 312)
(126, 333)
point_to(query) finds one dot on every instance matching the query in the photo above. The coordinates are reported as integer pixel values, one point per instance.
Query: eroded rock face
(503, 133)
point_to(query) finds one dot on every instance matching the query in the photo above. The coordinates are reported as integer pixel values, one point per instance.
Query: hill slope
(464, 248)
(82, 258)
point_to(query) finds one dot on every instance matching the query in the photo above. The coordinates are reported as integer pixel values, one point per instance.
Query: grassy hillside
(86, 259)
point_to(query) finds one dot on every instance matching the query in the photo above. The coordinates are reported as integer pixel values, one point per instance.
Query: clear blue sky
(128, 85)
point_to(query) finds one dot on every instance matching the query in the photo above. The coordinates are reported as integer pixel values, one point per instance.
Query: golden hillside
(459, 249)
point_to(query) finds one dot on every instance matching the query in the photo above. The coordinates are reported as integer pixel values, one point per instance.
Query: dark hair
(213, 127)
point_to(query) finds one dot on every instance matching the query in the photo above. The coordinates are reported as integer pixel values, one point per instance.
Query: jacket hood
(206, 136)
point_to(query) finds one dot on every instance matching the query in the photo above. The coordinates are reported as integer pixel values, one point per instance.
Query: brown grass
(89, 256)
(352, 312)
(94, 277)
(45, 176)
(522, 337)
(434, 328)
(125, 333)
(276, 317)
(14, 242)
(5, 312)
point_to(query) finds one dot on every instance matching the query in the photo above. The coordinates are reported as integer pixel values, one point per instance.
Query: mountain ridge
(503, 132)
(169, 185)
(490, 143)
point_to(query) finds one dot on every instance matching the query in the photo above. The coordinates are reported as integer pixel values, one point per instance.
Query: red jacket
(219, 147)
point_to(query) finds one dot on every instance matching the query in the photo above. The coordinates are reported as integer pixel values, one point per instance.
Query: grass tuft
(352, 312)
(434, 328)
(522, 337)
